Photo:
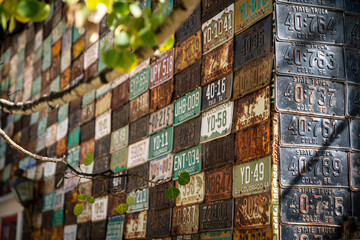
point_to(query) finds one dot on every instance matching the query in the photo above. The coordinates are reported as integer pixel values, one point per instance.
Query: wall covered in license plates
(258, 101)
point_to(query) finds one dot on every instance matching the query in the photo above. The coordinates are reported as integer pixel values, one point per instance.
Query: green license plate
(188, 160)
(161, 142)
(187, 107)
(139, 83)
(141, 200)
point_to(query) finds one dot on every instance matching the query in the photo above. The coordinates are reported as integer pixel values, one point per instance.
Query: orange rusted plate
(139, 107)
(161, 96)
(188, 52)
(218, 184)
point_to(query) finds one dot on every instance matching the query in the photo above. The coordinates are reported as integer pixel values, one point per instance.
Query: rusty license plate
(138, 177)
(193, 192)
(313, 167)
(138, 130)
(119, 160)
(161, 96)
(218, 63)
(310, 232)
(318, 60)
(309, 206)
(117, 185)
(162, 69)
(352, 31)
(187, 107)
(161, 119)
(119, 139)
(135, 225)
(352, 6)
(253, 210)
(217, 92)
(188, 52)
(253, 43)
(355, 198)
(103, 125)
(141, 197)
(139, 107)
(355, 171)
(213, 152)
(355, 134)
(120, 117)
(187, 135)
(187, 80)
(216, 216)
(218, 29)
(87, 131)
(157, 198)
(353, 100)
(120, 95)
(159, 223)
(185, 219)
(103, 103)
(352, 65)
(189, 26)
(322, 3)
(252, 109)
(138, 153)
(310, 95)
(309, 24)
(314, 131)
(258, 233)
(212, 7)
(221, 235)
(248, 12)
(188, 160)
(218, 184)
(187, 237)
(160, 169)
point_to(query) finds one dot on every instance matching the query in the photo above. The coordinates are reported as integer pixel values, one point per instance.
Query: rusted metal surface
(162, 69)
(77, 71)
(187, 80)
(161, 119)
(119, 139)
(190, 25)
(326, 3)
(61, 146)
(103, 125)
(187, 237)
(78, 47)
(187, 135)
(70, 217)
(98, 230)
(138, 153)
(120, 117)
(103, 103)
(355, 171)
(161, 96)
(139, 107)
(101, 164)
(120, 95)
(159, 223)
(114, 201)
(309, 206)
(313, 167)
(351, 30)
(257, 233)
(74, 105)
(353, 100)
(65, 78)
(352, 65)
(134, 181)
(85, 147)
(118, 185)
(217, 92)
(87, 113)
(352, 6)
(102, 146)
(74, 120)
(185, 219)
(216, 216)
(135, 225)
(188, 52)
(314, 131)
(161, 168)
(218, 184)
(187, 107)
(52, 118)
(355, 134)
(218, 62)
(212, 7)
(213, 152)
(193, 192)
(83, 231)
(138, 130)
(158, 199)
(310, 95)
(310, 232)
(252, 109)
(253, 210)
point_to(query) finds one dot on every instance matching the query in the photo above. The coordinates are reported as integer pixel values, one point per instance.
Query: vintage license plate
(309, 206)
(187, 135)
(70, 232)
(139, 129)
(115, 227)
(161, 119)
(159, 223)
(313, 167)
(161, 168)
(309, 24)
(354, 134)
(161, 142)
(217, 92)
(185, 219)
(188, 51)
(120, 95)
(73, 138)
(120, 117)
(216, 122)
(102, 104)
(253, 210)
(355, 198)
(316, 60)
(257, 233)
(119, 160)
(352, 65)
(249, 12)
(217, 215)
(352, 31)
(139, 107)
(252, 109)
(118, 184)
(187, 80)
(187, 107)
(138, 153)
(188, 160)
(99, 209)
(162, 69)
(161, 96)
(322, 3)
(190, 25)
(355, 171)
(353, 100)
(141, 200)
(119, 139)
(135, 182)
(88, 146)
(91, 55)
(218, 184)
(310, 232)
(158, 200)
(310, 95)
(223, 235)
(218, 62)
(139, 83)
(87, 130)
(218, 29)
(102, 125)
(135, 225)
(252, 177)
(212, 7)
(193, 192)
(352, 6)
(253, 43)
(314, 131)
(218, 152)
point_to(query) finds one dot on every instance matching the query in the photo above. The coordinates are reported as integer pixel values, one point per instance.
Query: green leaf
(167, 44)
(12, 24)
(135, 9)
(90, 199)
(148, 37)
(122, 40)
(121, 209)
(83, 189)
(78, 209)
(81, 197)
(130, 200)
(33, 9)
(3, 22)
(89, 158)
(184, 178)
(113, 20)
(123, 60)
(59, 183)
(121, 8)
(172, 193)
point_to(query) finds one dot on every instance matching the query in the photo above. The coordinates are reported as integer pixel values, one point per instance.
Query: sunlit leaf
(184, 178)
(59, 183)
(122, 40)
(3, 22)
(78, 209)
(172, 193)
(121, 209)
(89, 158)
(90, 199)
(81, 197)
(135, 9)
(123, 61)
(167, 44)
(121, 8)
(33, 9)
(148, 37)
(12, 24)
(130, 200)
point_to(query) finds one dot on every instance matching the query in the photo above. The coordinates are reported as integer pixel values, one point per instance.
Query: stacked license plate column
(317, 103)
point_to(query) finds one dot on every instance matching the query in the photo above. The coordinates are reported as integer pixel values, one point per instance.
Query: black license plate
(215, 216)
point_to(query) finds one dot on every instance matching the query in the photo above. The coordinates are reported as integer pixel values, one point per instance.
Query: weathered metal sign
(99, 209)
(120, 95)
(353, 101)
(323, 3)
(103, 125)
(161, 168)
(70, 232)
(223, 235)
(188, 160)
(161, 142)
(139, 82)
(309, 206)
(87, 130)
(213, 153)
(161, 119)
(186, 237)
(187, 52)
(48, 201)
(193, 192)
(138, 177)
(135, 226)
(115, 227)
(310, 95)
(218, 29)
(120, 117)
(139, 107)
(252, 109)
(252, 177)
(218, 62)
(158, 200)
(253, 210)
(50, 136)
(103, 103)
(187, 80)
(187, 135)
(102, 146)
(118, 184)
(58, 218)
(355, 134)
(314, 131)
(187, 107)
(91, 55)
(310, 232)
(352, 6)
(258, 233)
(313, 167)
(218, 183)
(141, 200)
(58, 201)
(311, 59)
(185, 219)
(352, 65)
(253, 43)
(138, 153)
(162, 69)
(86, 147)
(119, 160)
(217, 92)
(351, 30)
(159, 223)
(217, 215)
(190, 25)
(139, 129)
(354, 171)
(216, 122)
(161, 96)
(119, 139)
